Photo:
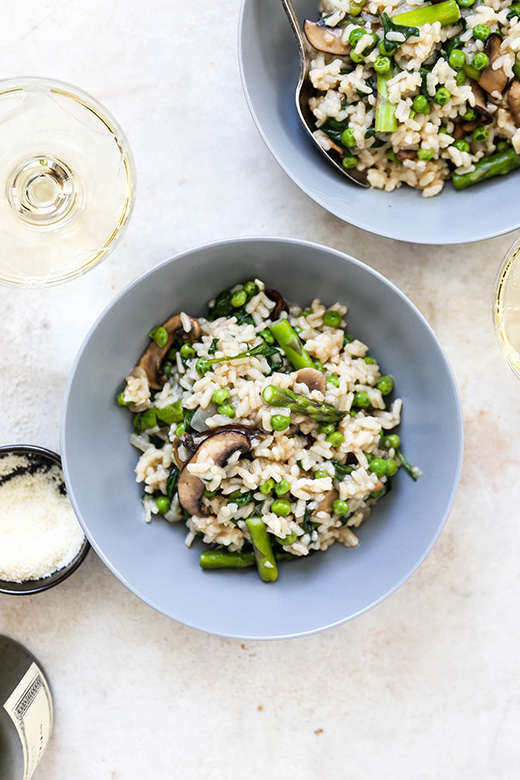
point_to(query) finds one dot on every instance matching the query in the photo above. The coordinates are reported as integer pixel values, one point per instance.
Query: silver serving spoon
(304, 91)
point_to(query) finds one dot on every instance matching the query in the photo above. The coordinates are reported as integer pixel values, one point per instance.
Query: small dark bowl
(44, 583)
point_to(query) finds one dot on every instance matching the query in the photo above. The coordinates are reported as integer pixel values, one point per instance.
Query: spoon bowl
(304, 91)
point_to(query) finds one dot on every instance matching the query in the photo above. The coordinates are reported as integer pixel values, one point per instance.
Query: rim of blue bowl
(319, 247)
(30, 587)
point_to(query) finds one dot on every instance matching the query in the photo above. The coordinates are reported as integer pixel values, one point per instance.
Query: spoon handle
(298, 34)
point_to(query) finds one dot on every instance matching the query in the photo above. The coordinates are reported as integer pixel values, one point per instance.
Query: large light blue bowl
(269, 68)
(327, 588)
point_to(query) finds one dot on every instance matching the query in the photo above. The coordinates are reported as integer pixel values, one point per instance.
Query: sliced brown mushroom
(281, 305)
(153, 357)
(513, 101)
(327, 39)
(216, 449)
(481, 103)
(406, 154)
(314, 379)
(327, 502)
(490, 79)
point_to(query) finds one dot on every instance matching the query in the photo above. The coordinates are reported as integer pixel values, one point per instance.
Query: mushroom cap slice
(281, 305)
(327, 39)
(216, 448)
(490, 79)
(327, 502)
(513, 101)
(153, 357)
(314, 379)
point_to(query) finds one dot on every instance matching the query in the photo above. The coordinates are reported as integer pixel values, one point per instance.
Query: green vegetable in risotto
(237, 437)
(417, 95)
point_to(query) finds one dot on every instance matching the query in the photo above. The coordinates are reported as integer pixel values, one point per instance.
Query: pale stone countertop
(423, 687)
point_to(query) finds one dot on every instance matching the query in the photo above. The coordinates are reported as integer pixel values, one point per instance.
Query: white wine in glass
(506, 308)
(67, 180)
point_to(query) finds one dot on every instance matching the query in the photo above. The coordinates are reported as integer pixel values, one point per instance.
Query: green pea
(306, 312)
(167, 368)
(149, 419)
(347, 339)
(349, 161)
(385, 385)
(281, 507)
(318, 365)
(460, 78)
(280, 422)
(267, 336)
(355, 35)
(180, 429)
(382, 64)
(267, 487)
(347, 137)
(378, 493)
(335, 438)
(457, 59)
(356, 8)
(503, 146)
(462, 145)
(171, 413)
(357, 58)
(121, 400)
(340, 508)
(238, 298)
(516, 69)
(378, 467)
(465, 3)
(411, 114)
(327, 428)
(162, 504)
(361, 400)
(202, 366)
(250, 289)
(227, 410)
(370, 361)
(297, 329)
(444, 130)
(480, 134)
(480, 61)
(391, 467)
(481, 32)
(187, 352)
(469, 115)
(390, 155)
(172, 353)
(282, 487)
(289, 539)
(442, 96)
(333, 380)
(386, 48)
(160, 336)
(332, 319)
(421, 104)
(220, 396)
(320, 474)
(391, 442)
(424, 154)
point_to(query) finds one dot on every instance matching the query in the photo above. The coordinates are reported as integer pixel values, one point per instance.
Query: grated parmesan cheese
(39, 532)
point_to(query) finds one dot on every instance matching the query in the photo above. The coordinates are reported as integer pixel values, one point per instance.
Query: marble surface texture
(423, 687)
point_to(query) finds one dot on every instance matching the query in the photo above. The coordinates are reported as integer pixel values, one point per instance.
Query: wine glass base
(44, 191)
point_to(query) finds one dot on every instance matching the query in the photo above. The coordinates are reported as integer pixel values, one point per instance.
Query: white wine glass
(67, 182)
(506, 307)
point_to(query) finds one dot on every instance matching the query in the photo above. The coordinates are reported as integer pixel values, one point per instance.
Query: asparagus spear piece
(495, 164)
(223, 559)
(289, 341)
(446, 13)
(406, 465)
(300, 404)
(385, 111)
(265, 560)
